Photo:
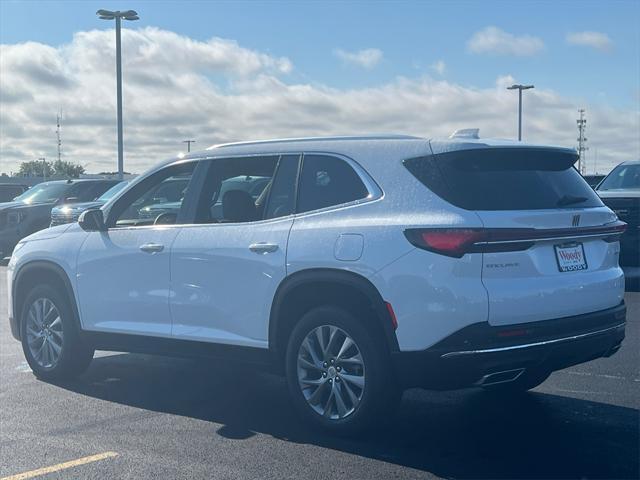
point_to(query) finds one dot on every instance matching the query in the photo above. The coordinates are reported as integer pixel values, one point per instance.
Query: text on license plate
(570, 257)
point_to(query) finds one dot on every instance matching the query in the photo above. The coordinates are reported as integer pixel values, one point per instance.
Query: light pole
(44, 168)
(520, 88)
(188, 142)
(118, 15)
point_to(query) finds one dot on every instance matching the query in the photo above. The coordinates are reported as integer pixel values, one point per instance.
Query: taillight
(454, 242)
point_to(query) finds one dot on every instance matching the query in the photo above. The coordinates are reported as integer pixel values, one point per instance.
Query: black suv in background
(9, 191)
(620, 191)
(31, 211)
(69, 212)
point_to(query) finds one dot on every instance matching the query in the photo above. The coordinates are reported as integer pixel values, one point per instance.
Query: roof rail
(466, 133)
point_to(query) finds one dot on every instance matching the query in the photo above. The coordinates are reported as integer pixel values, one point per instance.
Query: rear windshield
(505, 179)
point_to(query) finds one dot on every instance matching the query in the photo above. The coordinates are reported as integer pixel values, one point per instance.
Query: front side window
(239, 190)
(326, 181)
(156, 200)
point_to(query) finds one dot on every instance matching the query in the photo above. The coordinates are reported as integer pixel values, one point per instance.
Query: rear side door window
(248, 189)
(327, 181)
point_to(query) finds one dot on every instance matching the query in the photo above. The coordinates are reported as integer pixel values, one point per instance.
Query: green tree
(67, 169)
(36, 168)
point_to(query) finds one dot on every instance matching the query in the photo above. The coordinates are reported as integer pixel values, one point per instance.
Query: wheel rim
(331, 372)
(44, 332)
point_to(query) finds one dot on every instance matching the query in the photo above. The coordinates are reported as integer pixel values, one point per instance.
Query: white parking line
(599, 375)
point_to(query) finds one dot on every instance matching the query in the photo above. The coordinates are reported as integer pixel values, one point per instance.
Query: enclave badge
(576, 221)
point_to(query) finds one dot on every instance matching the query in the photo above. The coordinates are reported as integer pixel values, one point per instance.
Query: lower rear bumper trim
(535, 344)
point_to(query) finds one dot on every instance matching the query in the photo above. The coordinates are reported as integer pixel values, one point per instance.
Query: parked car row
(30, 211)
(620, 191)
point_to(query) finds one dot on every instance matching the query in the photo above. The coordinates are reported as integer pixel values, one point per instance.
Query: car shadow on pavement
(464, 434)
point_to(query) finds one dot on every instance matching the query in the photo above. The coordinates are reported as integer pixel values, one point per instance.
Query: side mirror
(92, 220)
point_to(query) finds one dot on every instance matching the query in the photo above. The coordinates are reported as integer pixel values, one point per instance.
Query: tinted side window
(156, 200)
(87, 191)
(326, 181)
(282, 193)
(236, 189)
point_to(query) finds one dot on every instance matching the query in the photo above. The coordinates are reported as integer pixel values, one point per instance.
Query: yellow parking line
(61, 466)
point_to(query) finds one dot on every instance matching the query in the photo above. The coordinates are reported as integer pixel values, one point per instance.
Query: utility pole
(520, 88)
(44, 168)
(582, 140)
(188, 142)
(58, 118)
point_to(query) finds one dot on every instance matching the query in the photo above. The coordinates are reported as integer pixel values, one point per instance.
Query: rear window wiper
(570, 200)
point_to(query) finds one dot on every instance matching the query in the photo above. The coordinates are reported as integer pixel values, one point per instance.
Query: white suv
(355, 266)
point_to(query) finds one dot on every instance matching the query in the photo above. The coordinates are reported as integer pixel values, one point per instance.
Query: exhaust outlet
(500, 377)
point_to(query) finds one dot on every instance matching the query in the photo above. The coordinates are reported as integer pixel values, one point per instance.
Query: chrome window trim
(374, 191)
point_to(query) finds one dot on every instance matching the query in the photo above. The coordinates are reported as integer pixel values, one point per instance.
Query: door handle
(152, 247)
(263, 247)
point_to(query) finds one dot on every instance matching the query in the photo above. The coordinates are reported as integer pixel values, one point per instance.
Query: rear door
(551, 248)
(226, 268)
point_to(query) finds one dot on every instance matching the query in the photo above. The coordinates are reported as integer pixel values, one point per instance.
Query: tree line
(42, 168)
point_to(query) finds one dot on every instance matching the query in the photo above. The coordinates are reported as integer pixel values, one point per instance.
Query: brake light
(392, 314)
(453, 242)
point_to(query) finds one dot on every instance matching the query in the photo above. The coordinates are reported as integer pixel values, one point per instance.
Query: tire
(53, 348)
(523, 383)
(366, 362)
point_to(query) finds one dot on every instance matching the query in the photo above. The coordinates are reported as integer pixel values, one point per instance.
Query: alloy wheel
(44, 332)
(331, 372)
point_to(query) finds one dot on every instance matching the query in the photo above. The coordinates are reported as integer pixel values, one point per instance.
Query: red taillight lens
(452, 242)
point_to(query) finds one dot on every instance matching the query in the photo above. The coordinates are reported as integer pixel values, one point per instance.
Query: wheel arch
(306, 289)
(40, 272)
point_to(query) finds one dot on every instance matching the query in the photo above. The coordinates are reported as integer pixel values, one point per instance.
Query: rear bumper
(470, 355)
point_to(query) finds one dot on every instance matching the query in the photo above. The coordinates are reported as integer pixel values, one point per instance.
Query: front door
(123, 273)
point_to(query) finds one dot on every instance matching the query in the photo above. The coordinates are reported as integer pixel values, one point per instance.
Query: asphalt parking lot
(138, 416)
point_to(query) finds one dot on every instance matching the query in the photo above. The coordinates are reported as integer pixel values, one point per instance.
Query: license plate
(571, 257)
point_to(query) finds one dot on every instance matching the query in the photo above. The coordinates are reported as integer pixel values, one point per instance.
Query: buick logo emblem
(575, 221)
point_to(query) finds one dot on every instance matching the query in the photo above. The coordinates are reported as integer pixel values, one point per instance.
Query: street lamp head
(130, 15)
(109, 15)
(520, 87)
(106, 14)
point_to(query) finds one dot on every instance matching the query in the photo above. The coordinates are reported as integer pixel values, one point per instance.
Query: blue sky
(411, 34)
(227, 71)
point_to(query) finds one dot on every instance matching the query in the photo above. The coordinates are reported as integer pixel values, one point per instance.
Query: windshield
(622, 177)
(111, 192)
(43, 193)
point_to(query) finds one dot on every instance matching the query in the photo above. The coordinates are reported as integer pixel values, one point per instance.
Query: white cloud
(598, 40)
(367, 58)
(439, 67)
(217, 91)
(492, 40)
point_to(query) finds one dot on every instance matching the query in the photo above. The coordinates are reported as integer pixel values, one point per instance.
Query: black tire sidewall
(379, 390)
(75, 357)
